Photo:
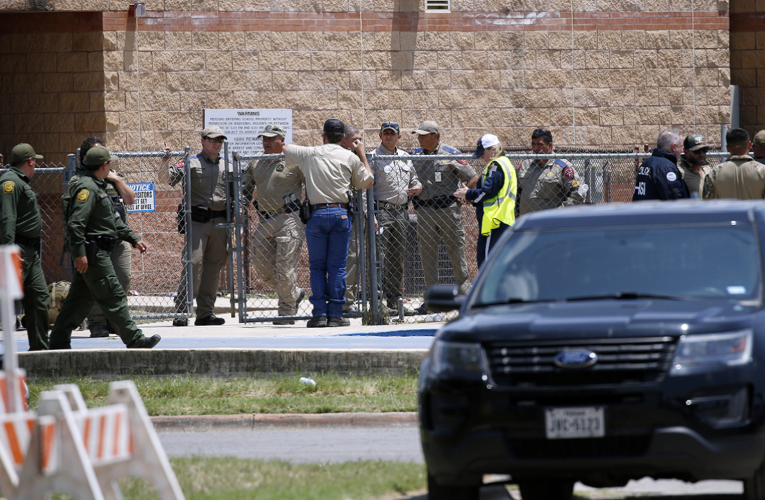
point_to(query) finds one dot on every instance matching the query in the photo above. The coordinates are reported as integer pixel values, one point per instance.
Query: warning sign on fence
(242, 126)
(144, 197)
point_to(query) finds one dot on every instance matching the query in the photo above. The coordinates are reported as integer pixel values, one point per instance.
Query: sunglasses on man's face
(218, 140)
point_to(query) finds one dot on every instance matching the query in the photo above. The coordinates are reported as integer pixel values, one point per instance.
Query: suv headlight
(729, 349)
(456, 357)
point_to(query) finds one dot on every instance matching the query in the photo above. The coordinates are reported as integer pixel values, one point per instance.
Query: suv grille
(528, 364)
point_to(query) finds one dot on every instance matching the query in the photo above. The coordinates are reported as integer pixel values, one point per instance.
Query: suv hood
(602, 318)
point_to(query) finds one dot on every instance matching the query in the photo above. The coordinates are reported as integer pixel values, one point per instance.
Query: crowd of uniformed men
(306, 195)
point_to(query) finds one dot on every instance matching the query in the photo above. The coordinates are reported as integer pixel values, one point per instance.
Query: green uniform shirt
(111, 190)
(694, 180)
(20, 212)
(92, 214)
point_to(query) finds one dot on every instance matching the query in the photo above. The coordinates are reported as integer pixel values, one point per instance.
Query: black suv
(603, 344)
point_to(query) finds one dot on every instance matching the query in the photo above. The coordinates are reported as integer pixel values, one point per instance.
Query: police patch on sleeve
(8, 186)
(574, 184)
(83, 195)
(671, 176)
(568, 173)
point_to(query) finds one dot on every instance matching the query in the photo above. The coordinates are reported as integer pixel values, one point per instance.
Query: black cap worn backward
(98, 155)
(334, 126)
(23, 152)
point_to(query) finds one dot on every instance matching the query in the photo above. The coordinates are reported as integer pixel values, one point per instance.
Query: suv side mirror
(443, 298)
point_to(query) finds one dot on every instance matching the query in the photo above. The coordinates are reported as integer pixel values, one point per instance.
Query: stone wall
(747, 62)
(611, 74)
(52, 84)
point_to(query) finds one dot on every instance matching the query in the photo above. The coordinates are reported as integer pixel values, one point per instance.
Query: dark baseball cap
(23, 152)
(272, 131)
(334, 126)
(390, 126)
(98, 155)
(695, 142)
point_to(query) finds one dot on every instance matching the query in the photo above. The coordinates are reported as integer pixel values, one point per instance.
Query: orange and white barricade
(89, 450)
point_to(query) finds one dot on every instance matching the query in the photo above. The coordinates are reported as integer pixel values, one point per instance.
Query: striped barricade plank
(15, 434)
(22, 401)
(106, 434)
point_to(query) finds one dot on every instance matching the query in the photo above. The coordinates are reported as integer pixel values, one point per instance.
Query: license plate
(568, 423)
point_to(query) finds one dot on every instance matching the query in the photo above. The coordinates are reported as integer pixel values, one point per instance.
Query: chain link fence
(268, 276)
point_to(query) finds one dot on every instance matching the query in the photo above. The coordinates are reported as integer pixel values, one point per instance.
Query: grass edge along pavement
(204, 478)
(248, 399)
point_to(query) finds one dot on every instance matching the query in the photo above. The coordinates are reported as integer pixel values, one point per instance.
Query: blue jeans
(327, 236)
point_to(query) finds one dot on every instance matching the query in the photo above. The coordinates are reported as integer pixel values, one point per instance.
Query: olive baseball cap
(23, 152)
(98, 155)
(212, 132)
(272, 131)
(695, 142)
(759, 139)
(334, 126)
(427, 127)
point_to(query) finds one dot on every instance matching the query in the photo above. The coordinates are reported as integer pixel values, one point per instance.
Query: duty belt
(386, 205)
(287, 209)
(437, 202)
(28, 242)
(319, 206)
(204, 214)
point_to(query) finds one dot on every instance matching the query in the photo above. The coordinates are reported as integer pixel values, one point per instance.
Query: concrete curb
(259, 421)
(217, 362)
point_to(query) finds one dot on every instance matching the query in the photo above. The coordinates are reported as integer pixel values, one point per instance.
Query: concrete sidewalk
(238, 348)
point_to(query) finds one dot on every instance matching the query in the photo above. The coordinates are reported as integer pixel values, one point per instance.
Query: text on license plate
(567, 423)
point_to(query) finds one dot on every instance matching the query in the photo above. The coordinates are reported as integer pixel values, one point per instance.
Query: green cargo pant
(100, 285)
(36, 300)
(278, 242)
(394, 225)
(120, 257)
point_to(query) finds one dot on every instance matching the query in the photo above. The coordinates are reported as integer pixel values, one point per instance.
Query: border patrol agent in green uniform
(438, 215)
(121, 195)
(21, 224)
(93, 232)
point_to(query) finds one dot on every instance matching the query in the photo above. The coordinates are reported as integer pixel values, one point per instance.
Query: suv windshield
(688, 262)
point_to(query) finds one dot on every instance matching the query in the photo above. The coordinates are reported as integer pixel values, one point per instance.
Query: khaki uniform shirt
(329, 171)
(548, 184)
(92, 214)
(393, 177)
(694, 180)
(441, 177)
(208, 181)
(740, 177)
(20, 213)
(276, 184)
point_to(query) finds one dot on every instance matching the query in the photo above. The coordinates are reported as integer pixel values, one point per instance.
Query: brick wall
(747, 62)
(52, 90)
(503, 67)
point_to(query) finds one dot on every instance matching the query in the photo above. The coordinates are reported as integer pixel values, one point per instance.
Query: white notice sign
(144, 197)
(242, 126)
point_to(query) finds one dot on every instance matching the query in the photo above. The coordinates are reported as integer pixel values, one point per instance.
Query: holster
(305, 211)
(180, 219)
(91, 250)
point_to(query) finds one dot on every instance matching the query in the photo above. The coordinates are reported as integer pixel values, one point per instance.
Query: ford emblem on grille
(575, 359)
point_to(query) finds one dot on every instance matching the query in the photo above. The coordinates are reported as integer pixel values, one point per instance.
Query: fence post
(373, 260)
(238, 239)
(189, 260)
(230, 186)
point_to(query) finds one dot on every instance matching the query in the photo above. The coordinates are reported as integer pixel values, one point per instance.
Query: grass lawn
(202, 395)
(238, 479)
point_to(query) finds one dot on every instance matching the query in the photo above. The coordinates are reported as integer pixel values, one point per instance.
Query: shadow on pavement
(500, 493)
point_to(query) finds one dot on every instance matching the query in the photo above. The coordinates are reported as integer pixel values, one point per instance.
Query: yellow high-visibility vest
(501, 208)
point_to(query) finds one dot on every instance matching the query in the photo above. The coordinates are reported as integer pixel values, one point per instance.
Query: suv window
(709, 261)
